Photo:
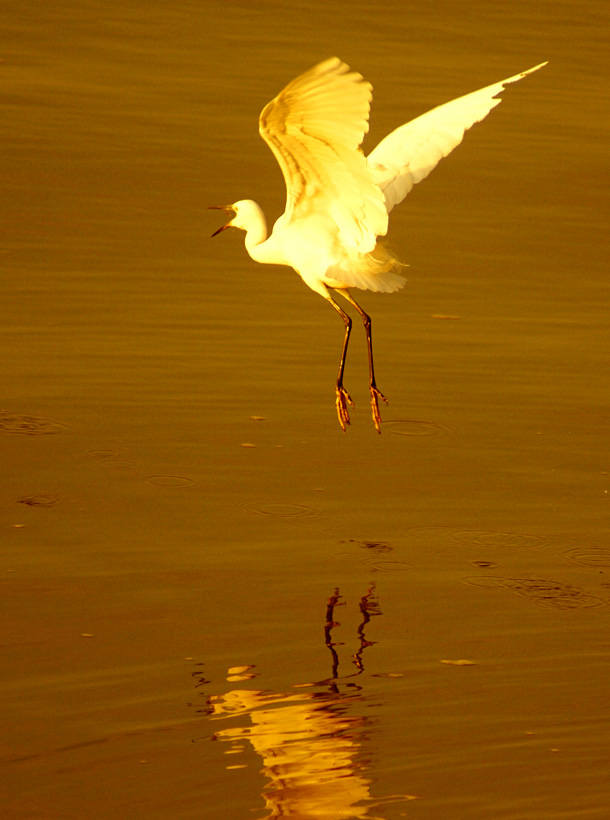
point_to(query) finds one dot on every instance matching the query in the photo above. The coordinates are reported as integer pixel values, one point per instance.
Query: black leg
(376, 394)
(343, 397)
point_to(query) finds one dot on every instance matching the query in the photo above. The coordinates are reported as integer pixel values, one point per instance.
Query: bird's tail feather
(377, 270)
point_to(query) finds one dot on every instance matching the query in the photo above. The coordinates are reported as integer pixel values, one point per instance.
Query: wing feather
(408, 154)
(315, 127)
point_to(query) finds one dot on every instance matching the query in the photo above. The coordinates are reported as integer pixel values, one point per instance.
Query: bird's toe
(375, 396)
(343, 399)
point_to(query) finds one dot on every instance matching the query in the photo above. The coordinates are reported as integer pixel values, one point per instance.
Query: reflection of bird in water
(369, 606)
(309, 746)
(310, 741)
(338, 201)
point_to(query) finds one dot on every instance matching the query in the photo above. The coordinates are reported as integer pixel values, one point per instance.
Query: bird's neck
(256, 232)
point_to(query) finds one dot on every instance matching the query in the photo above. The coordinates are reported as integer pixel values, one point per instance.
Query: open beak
(226, 208)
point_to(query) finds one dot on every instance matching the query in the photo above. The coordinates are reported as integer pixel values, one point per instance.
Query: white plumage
(338, 200)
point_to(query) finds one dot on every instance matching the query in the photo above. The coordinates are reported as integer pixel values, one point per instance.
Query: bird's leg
(376, 394)
(343, 397)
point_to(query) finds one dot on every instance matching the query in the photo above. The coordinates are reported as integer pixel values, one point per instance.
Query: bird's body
(338, 200)
(310, 244)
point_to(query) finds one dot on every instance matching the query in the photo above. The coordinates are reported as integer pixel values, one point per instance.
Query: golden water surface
(216, 604)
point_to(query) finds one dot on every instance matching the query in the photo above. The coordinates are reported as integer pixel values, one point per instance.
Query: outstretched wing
(315, 127)
(408, 154)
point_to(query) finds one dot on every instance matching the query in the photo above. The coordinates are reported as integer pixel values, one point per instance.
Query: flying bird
(338, 200)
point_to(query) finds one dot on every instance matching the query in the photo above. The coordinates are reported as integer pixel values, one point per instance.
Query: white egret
(338, 200)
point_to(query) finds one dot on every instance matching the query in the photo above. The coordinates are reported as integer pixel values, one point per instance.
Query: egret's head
(244, 213)
(230, 209)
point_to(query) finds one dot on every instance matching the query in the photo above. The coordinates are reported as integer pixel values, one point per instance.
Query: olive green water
(178, 501)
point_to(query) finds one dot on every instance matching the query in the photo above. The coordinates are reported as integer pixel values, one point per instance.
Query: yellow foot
(343, 398)
(375, 396)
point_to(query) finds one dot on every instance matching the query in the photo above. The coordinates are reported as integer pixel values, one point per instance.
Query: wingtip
(517, 77)
(332, 65)
(535, 68)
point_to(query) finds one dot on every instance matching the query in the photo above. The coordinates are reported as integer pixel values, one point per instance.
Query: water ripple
(541, 591)
(29, 425)
(280, 510)
(409, 427)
